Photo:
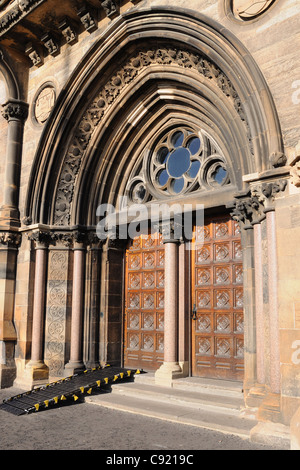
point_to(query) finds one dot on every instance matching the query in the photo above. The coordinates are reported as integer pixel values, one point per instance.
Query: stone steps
(214, 405)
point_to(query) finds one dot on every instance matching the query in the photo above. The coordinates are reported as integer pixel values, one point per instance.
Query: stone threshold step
(186, 398)
(208, 419)
(198, 384)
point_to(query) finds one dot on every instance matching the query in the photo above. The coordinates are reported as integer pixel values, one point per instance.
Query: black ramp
(67, 389)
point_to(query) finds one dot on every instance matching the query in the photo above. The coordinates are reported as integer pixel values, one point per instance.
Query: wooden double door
(216, 325)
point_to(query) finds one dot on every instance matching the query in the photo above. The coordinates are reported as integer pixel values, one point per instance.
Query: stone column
(259, 307)
(76, 350)
(184, 273)
(275, 385)
(36, 369)
(243, 213)
(270, 407)
(170, 368)
(9, 243)
(93, 313)
(15, 112)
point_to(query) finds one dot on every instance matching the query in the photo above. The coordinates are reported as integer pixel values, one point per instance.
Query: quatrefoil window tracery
(181, 161)
(176, 161)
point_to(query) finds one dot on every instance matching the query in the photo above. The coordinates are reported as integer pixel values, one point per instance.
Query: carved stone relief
(56, 313)
(295, 172)
(249, 9)
(44, 103)
(251, 208)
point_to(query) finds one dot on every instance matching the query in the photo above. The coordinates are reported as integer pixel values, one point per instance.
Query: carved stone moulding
(51, 44)
(10, 239)
(34, 55)
(45, 237)
(68, 31)
(15, 110)
(43, 103)
(295, 172)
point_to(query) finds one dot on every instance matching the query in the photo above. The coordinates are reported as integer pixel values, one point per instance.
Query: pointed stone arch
(149, 66)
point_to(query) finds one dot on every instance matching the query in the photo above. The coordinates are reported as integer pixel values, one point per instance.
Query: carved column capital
(250, 208)
(10, 239)
(42, 239)
(266, 193)
(171, 230)
(15, 110)
(242, 210)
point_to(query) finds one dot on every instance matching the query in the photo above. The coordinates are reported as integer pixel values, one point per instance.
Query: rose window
(182, 160)
(176, 161)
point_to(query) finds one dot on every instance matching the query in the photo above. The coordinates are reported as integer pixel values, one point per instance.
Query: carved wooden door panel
(217, 294)
(144, 303)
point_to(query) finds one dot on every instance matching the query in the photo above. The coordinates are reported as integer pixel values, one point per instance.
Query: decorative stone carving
(55, 326)
(41, 238)
(249, 9)
(51, 44)
(278, 159)
(110, 8)
(11, 239)
(44, 103)
(68, 31)
(15, 110)
(108, 94)
(295, 172)
(34, 55)
(266, 192)
(19, 10)
(250, 208)
(87, 18)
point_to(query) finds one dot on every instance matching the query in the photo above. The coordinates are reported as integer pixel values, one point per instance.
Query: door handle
(194, 313)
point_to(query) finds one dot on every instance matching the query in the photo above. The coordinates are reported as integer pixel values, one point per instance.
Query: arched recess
(11, 84)
(150, 68)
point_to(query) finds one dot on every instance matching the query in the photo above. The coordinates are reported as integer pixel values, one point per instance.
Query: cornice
(17, 11)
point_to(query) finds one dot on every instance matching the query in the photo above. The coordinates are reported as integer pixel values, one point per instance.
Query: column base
(8, 369)
(255, 396)
(270, 409)
(7, 376)
(36, 373)
(73, 367)
(168, 372)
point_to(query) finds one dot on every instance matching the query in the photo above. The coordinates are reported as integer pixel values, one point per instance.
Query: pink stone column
(76, 361)
(170, 368)
(39, 306)
(183, 307)
(258, 256)
(275, 382)
(171, 301)
(36, 371)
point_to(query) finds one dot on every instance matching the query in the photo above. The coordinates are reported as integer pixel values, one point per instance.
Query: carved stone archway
(215, 63)
(152, 69)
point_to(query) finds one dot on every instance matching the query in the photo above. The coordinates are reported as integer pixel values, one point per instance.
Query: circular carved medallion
(249, 9)
(44, 103)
